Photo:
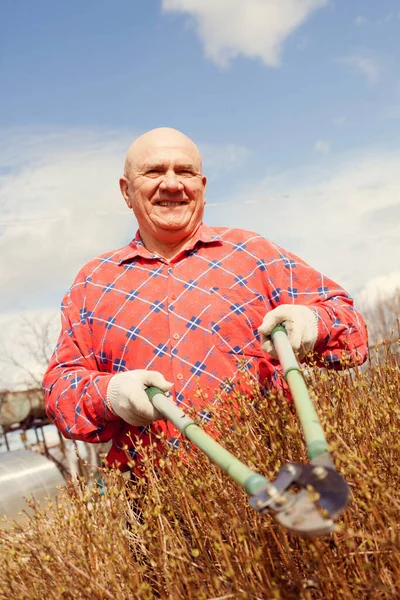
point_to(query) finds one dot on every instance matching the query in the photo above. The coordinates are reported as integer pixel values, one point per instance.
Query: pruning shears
(306, 499)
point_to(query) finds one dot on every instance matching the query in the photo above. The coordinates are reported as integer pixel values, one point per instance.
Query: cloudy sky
(295, 105)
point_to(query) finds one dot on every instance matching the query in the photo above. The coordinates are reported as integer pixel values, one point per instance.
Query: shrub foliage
(186, 531)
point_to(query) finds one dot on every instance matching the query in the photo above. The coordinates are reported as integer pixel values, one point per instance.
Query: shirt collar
(204, 236)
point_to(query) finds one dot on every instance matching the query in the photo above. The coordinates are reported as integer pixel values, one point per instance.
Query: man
(183, 307)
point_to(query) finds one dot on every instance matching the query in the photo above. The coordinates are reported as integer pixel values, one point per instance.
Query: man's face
(165, 188)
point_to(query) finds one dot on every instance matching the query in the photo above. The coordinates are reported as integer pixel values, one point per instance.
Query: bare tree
(26, 353)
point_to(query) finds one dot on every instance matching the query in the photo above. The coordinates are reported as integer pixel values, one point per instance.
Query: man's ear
(204, 182)
(123, 186)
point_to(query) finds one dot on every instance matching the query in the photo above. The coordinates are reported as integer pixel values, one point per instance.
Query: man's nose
(171, 182)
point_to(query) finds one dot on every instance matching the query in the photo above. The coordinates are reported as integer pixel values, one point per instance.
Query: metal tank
(15, 407)
(24, 474)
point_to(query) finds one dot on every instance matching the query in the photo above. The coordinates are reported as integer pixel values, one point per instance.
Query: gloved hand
(127, 398)
(301, 326)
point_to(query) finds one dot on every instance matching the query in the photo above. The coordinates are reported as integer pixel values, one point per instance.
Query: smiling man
(164, 186)
(186, 308)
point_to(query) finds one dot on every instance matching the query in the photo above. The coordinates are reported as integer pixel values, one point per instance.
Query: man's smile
(170, 203)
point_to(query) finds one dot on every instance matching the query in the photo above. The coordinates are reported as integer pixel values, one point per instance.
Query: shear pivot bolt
(291, 469)
(320, 472)
(281, 500)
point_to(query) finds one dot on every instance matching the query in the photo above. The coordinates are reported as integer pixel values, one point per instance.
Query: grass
(186, 531)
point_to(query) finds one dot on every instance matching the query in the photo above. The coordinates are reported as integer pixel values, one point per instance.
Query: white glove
(127, 398)
(301, 326)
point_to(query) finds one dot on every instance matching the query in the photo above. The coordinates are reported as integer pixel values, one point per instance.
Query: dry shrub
(186, 531)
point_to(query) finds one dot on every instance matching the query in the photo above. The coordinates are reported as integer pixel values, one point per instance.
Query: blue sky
(295, 105)
(128, 65)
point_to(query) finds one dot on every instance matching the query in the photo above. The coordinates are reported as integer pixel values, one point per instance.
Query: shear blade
(333, 491)
(304, 517)
(311, 511)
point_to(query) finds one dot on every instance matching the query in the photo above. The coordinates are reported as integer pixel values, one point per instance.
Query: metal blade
(310, 511)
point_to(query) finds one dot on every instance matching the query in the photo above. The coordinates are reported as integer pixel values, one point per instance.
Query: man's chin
(174, 227)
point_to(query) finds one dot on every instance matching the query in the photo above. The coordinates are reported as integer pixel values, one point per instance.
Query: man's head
(164, 185)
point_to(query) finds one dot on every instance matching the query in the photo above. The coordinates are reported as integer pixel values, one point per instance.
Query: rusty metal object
(18, 407)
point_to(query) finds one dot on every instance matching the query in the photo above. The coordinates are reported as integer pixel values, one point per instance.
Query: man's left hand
(301, 326)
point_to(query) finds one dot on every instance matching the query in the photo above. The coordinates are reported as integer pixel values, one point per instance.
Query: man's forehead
(167, 153)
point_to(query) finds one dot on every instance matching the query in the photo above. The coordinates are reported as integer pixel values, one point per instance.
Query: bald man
(186, 308)
(164, 186)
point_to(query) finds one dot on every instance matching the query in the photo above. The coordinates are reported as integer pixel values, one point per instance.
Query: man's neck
(167, 248)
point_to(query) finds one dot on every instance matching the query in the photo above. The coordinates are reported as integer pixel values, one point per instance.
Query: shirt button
(176, 336)
(173, 297)
(179, 376)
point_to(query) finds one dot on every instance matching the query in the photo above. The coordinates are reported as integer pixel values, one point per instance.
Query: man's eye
(185, 173)
(153, 173)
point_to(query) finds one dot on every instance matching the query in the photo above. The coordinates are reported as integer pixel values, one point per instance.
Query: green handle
(313, 433)
(238, 471)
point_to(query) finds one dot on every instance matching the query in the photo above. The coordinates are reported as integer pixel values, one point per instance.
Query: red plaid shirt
(194, 319)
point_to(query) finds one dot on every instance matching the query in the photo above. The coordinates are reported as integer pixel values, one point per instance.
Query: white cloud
(368, 66)
(340, 120)
(251, 28)
(322, 147)
(343, 217)
(60, 204)
(360, 20)
(379, 288)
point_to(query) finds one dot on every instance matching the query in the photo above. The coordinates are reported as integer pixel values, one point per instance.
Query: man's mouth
(169, 203)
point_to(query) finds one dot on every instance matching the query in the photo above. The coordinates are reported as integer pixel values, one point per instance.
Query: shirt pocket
(235, 318)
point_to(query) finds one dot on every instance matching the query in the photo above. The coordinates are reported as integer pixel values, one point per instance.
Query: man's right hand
(127, 398)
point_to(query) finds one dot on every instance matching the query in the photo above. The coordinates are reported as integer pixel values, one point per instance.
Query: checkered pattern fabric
(194, 319)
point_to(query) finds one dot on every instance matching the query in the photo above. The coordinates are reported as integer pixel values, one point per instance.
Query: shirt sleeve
(75, 390)
(342, 334)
